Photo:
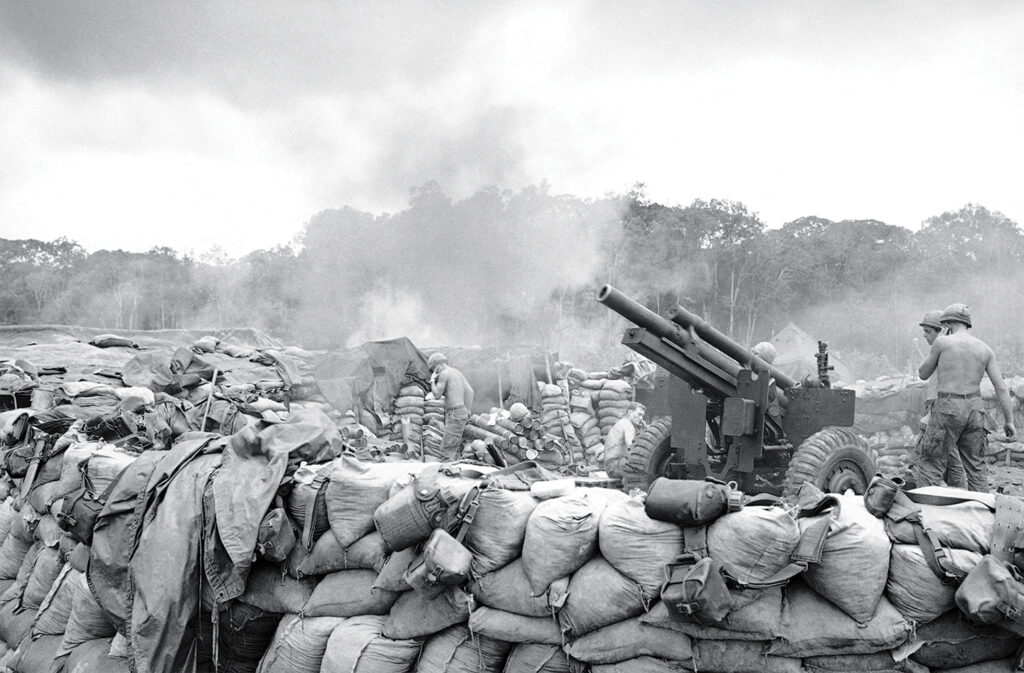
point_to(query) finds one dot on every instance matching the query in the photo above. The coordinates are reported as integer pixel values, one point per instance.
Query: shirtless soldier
(931, 327)
(957, 420)
(449, 383)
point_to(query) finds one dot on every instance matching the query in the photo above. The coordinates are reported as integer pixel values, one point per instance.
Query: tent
(796, 355)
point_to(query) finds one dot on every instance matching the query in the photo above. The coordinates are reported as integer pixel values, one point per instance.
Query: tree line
(504, 267)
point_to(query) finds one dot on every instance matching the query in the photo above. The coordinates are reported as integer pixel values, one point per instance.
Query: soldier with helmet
(958, 360)
(449, 383)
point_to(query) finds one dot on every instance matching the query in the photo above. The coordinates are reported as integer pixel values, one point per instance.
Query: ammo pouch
(993, 593)
(307, 503)
(19, 457)
(80, 510)
(694, 590)
(445, 561)
(691, 502)
(411, 515)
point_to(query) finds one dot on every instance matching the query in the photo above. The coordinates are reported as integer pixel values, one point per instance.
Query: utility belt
(959, 396)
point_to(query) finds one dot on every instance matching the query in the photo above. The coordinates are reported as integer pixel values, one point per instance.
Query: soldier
(451, 384)
(765, 351)
(931, 327)
(620, 438)
(957, 420)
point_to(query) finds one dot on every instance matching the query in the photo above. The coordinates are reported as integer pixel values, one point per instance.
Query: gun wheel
(834, 460)
(648, 457)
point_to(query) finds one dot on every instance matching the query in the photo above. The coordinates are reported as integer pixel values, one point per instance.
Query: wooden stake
(209, 400)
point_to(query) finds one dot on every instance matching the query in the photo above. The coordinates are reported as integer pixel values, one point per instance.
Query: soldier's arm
(927, 367)
(1002, 394)
(437, 387)
(469, 396)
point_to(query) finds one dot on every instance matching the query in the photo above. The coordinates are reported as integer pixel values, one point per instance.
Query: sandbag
(14, 626)
(508, 589)
(356, 490)
(966, 525)
(513, 628)
(392, 573)
(367, 553)
(842, 663)
(756, 615)
(739, 656)
(496, 535)
(12, 555)
(600, 595)
(70, 472)
(915, 590)
(48, 531)
(267, 589)
(854, 560)
(561, 536)
(87, 620)
(7, 515)
(17, 589)
(814, 626)
(92, 657)
(645, 665)
(536, 658)
(456, 650)
(348, 593)
(994, 666)
(629, 639)
(357, 646)
(754, 543)
(35, 656)
(414, 615)
(951, 642)
(637, 545)
(298, 645)
(52, 617)
(105, 465)
(44, 572)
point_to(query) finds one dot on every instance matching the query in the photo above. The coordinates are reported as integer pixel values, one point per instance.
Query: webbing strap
(1008, 531)
(936, 556)
(319, 484)
(695, 540)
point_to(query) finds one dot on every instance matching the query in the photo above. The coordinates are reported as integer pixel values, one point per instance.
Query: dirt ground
(1007, 479)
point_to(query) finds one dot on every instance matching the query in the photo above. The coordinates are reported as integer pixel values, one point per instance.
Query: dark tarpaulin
(374, 371)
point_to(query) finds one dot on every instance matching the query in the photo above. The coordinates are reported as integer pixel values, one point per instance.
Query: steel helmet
(765, 351)
(957, 313)
(932, 319)
(518, 411)
(436, 359)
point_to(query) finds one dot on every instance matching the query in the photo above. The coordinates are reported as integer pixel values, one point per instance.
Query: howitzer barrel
(704, 330)
(642, 316)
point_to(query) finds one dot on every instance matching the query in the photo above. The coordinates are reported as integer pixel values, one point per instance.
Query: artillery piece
(721, 411)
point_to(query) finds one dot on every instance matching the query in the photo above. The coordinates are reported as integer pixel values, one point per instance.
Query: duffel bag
(993, 593)
(691, 502)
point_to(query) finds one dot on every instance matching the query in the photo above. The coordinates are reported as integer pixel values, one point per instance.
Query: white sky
(199, 124)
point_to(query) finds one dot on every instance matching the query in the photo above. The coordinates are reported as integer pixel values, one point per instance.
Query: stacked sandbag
(894, 448)
(433, 426)
(407, 420)
(584, 422)
(555, 418)
(613, 399)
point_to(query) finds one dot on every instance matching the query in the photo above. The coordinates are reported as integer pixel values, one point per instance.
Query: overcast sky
(194, 124)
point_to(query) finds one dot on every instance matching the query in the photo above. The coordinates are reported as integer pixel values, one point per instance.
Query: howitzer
(734, 416)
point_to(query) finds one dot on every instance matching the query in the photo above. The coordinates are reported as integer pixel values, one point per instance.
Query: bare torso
(961, 361)
(456, 389)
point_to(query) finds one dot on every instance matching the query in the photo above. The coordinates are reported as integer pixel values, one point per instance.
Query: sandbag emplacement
(854, 560)
(600, 595)
(52, 616)
(637, 545)
(951, 642)
(87, 620)
(92, 657)
(754, 543)
(414, 615)
(496, 535)
(914, 589)
(47, 567)
(36, 656)
(508, 589)
(267, 589)
(645, 665)
(298, 645)
(630, 639)
(561, 536)
(456, 650)
(814, 626)
(739, 656)
(536, 658)
(756, 615)
(348, 593)
(357, 646)
(356, 490)
(513, 628)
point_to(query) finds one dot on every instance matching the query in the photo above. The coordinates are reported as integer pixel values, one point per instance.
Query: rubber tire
(833, 459)
(645, 460)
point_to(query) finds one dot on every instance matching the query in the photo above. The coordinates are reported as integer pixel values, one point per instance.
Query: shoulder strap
(320, 486)
(943, 500)
(695, 540)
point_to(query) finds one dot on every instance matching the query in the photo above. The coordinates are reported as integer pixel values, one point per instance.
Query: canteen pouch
(308, 504)
(993, 593)
(694, 590)
(880, 493)
(446, 559)
(276, 537)
(80, 509)
(418, 577)
(691, 502)
(411, 515)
